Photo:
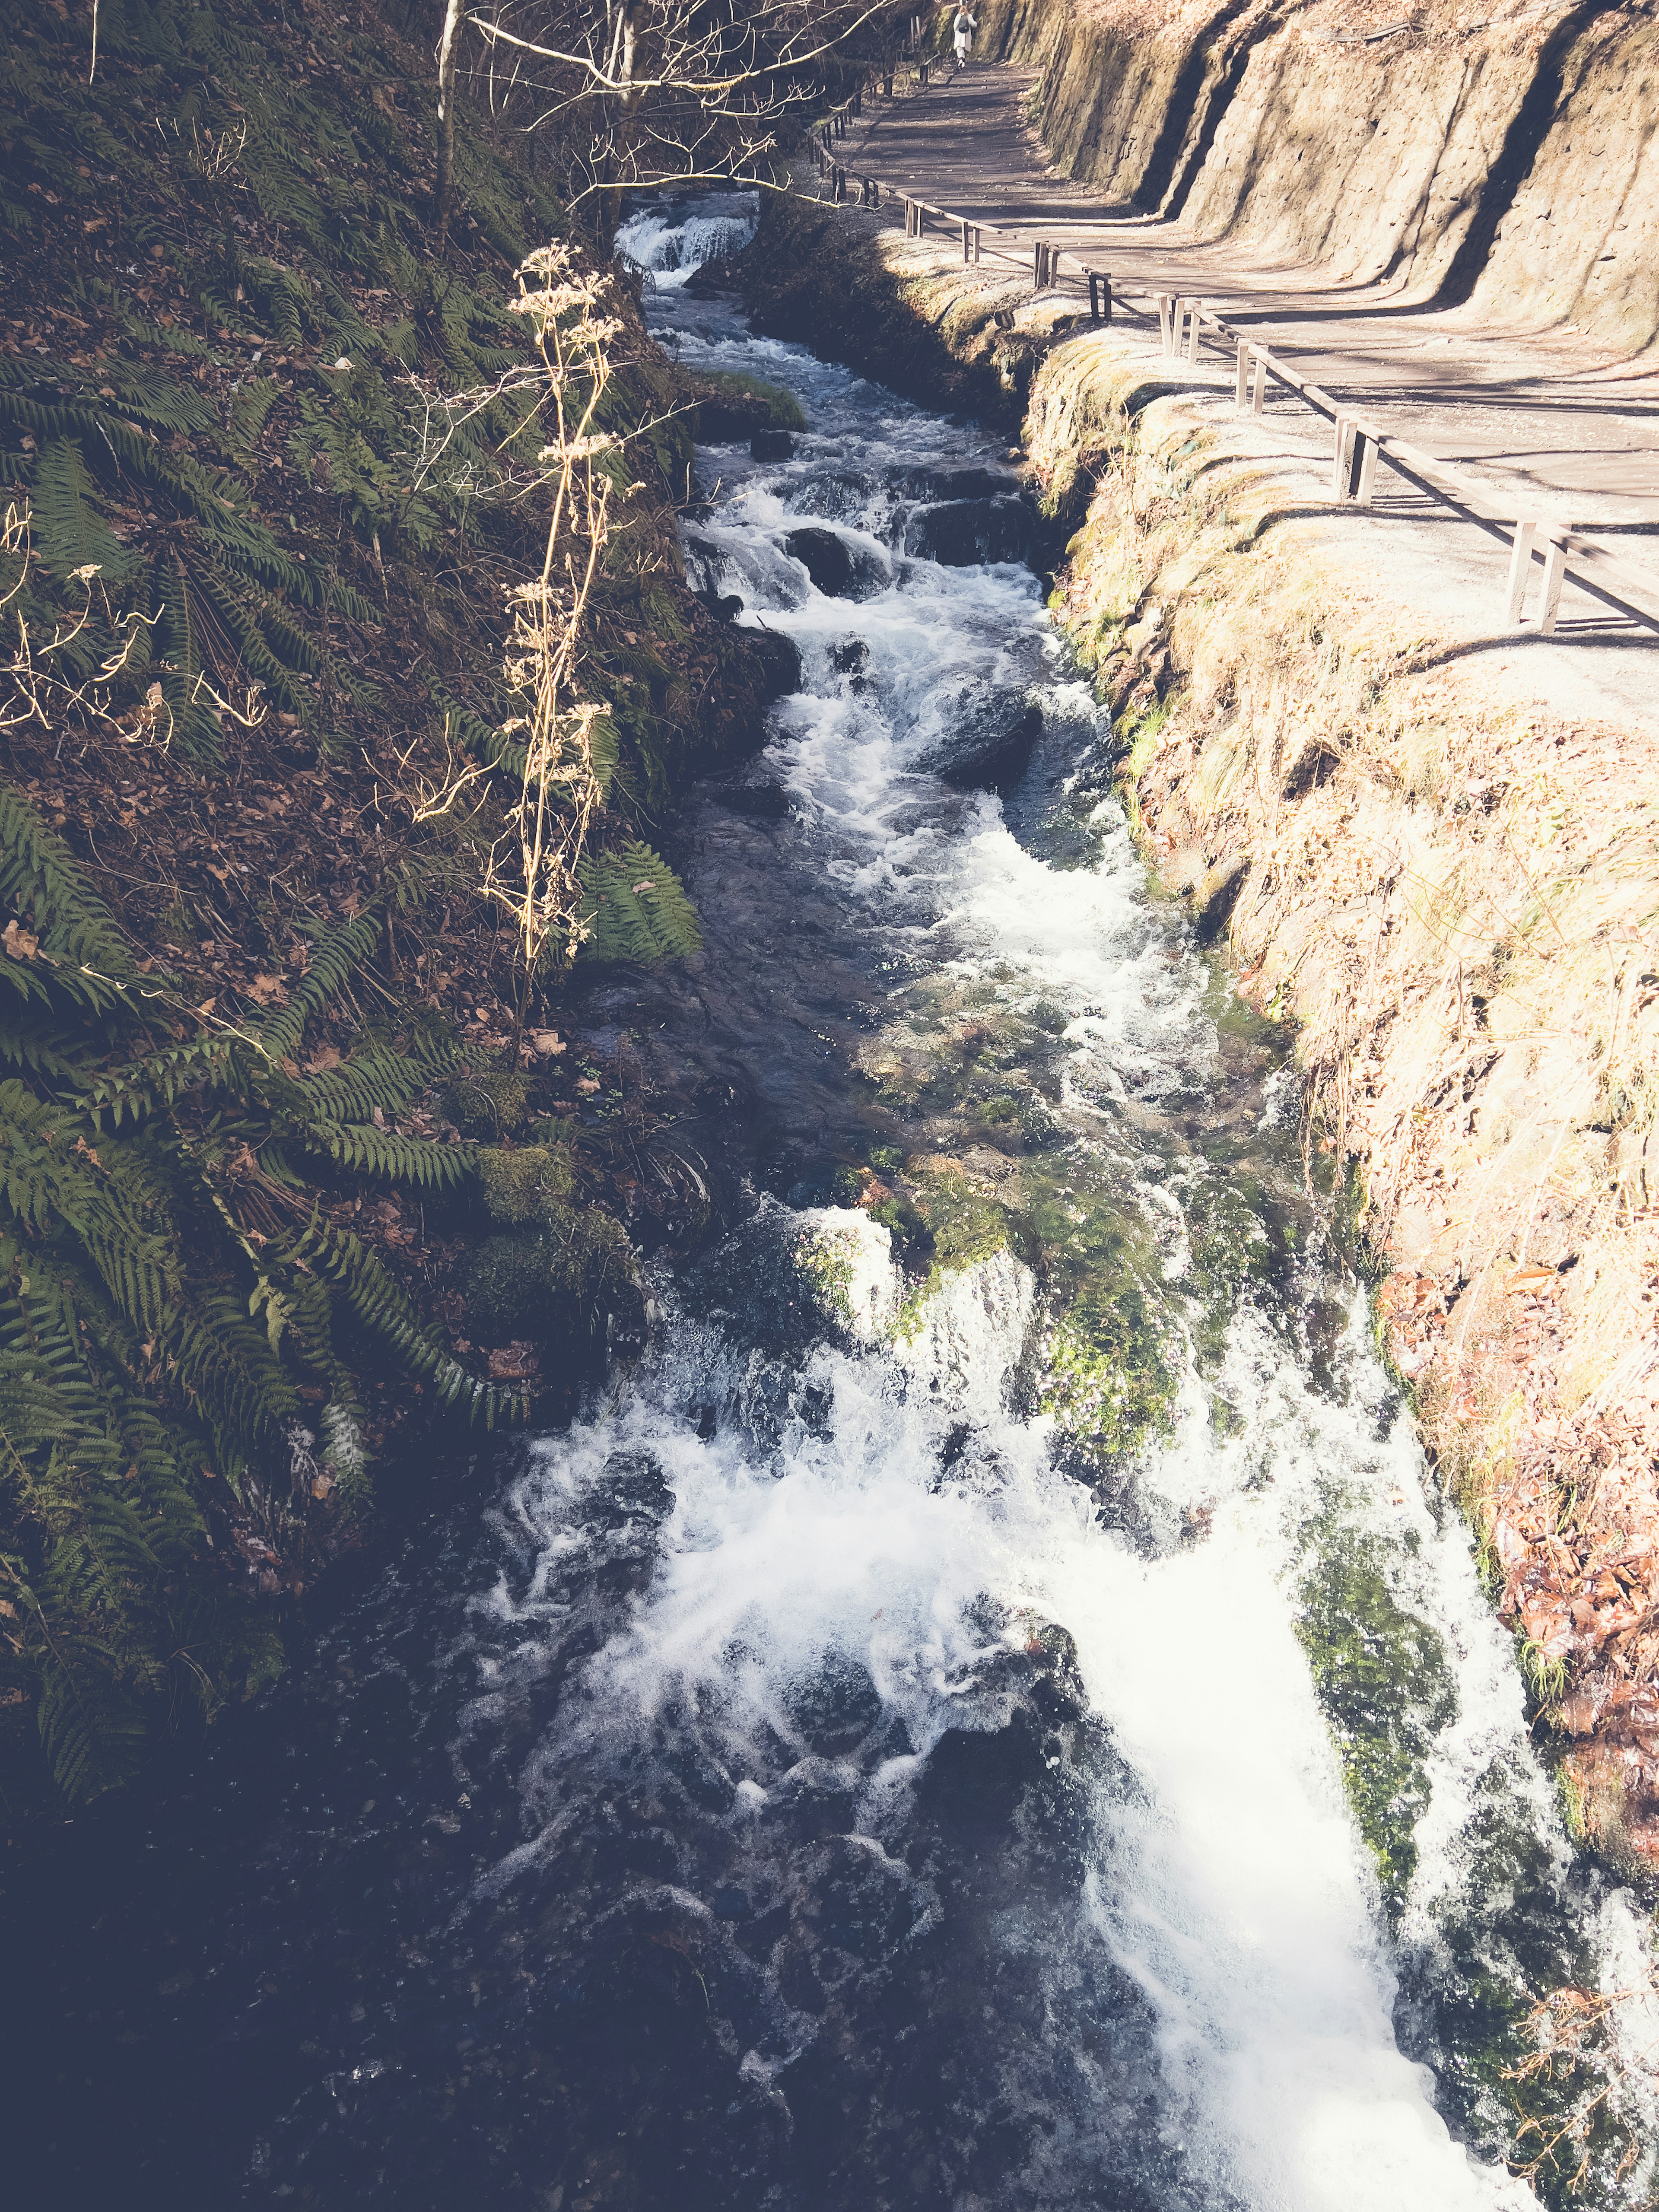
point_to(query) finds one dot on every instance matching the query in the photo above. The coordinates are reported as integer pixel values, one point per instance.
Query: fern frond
(333, 956)
(426, 1161)
(383, 1308)
(70, 532)
(40, 878)
(387, 1080)
(92, 1728)
(635, 907)
(162, 1077)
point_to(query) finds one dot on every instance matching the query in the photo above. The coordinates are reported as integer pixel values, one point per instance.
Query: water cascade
(1023, 1732)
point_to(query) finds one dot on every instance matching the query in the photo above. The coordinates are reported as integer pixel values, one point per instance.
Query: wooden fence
(1186, 324)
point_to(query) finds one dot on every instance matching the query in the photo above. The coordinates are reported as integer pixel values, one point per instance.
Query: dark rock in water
(634, 1489)
(768, 1284)
(841, 495)
(772, 446)
(849, 657)
(702, 562)
(827, 558)
(760, 802)
(725, 606)
(957, 483)
(834, 1710)
(729, 418)
(959, 532)
(988, 737)
(779, 659)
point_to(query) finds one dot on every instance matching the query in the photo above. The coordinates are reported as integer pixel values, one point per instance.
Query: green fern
(419, 1160)
(333, 956)
(249, 411)
(69, 533)
(41, 879)
(635, 909)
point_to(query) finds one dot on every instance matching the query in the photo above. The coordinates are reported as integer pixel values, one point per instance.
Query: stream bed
(989, 1709)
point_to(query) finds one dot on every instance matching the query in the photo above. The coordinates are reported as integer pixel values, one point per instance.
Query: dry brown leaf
(267, 990)
(20, 943)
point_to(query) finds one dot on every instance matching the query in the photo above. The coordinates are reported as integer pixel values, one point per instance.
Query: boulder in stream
(826, 557)
(779, 659)
(960, 533)
(772, 446)
(986, 737)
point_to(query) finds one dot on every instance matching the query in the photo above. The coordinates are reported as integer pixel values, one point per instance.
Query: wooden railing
(1185, 324)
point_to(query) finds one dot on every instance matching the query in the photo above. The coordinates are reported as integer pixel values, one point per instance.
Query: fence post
(1520, 568)
(1339, 471)
(887, 88)
(1163, 298)
(1241, 381)
(1555, 570)
(1367, 484)
(1259, 399)
(1098, 279)
(921, 73)
(1193, 308)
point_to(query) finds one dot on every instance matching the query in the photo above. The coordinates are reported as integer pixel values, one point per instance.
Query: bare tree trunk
(449, 53)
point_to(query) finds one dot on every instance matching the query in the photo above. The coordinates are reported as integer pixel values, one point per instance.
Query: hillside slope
(269, 470)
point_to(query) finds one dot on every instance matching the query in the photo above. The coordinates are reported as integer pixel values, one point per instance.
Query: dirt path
(1550, 425)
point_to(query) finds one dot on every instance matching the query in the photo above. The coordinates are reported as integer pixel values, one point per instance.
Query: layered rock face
(1511, 162)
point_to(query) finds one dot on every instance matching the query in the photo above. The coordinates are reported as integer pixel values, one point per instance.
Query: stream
(989, 1709)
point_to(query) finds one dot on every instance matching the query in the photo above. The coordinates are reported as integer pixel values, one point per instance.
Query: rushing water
(1020, 1732)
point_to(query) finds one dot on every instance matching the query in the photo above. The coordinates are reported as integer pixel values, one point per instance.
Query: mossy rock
(589, 1259)
(741, 405)
(519, 1186)
(556, 1281)
(1111, 1381)
(488, 1104)
(507, 1288)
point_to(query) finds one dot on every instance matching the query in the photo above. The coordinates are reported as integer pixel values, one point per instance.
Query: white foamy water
(908, 1516)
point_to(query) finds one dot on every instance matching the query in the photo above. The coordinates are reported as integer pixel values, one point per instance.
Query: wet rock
(849, 657)
(817, 1797)
(960, 533)
(1216, 893)
(935, 485)
(834, 1710)
(772, 446)
(779, 659)
(760, 802)
(827, 558)
(988, 737)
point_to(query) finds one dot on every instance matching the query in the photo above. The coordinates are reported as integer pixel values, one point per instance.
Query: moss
(786, 411)
(519, 1186)
(487, 1104)
(505, 1286)
(1384, 1685)
(1110, 1382)
(560, 1281)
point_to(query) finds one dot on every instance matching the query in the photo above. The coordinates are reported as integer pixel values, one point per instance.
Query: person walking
(966, 25)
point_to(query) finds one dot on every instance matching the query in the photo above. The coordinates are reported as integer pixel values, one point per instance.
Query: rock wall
(1512, 162)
